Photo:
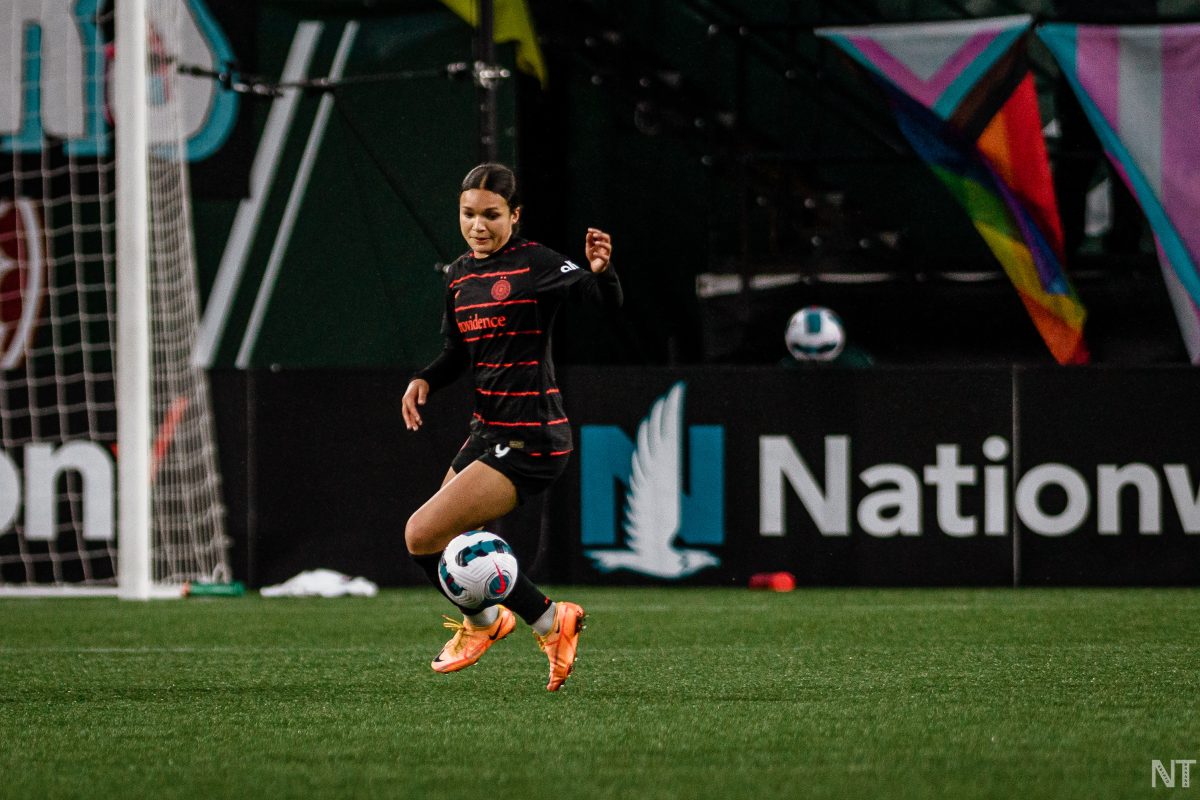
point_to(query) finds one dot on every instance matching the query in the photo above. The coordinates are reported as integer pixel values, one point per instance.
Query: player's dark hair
(494, 178)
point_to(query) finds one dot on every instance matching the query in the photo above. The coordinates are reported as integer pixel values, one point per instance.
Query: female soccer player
(501, 300)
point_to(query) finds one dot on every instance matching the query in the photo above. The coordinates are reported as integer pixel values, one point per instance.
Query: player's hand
(597, 249)
(414, 395)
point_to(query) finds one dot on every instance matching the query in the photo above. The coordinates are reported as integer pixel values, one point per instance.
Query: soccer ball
(477, 569)
(815, 333)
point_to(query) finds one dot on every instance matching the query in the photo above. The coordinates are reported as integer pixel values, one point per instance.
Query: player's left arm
(597, 249)
(595, 283)
(605, 286)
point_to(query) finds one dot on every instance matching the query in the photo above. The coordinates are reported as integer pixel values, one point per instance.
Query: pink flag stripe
(925, 91)
(1181, 121)
(1098, 65)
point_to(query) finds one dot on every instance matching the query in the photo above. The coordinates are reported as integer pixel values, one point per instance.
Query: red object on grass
(773, 581)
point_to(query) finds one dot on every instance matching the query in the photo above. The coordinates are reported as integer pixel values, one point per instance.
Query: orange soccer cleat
(469, 643)
(561, 642)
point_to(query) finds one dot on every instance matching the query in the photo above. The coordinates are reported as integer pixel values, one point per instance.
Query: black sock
(429, 565)
(526, 600)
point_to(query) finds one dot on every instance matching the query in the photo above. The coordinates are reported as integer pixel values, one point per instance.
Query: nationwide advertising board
(884, 477)
(709, 475)
(1121, 451)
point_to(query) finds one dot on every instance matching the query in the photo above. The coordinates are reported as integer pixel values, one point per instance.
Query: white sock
(545, 622)
(484, 617)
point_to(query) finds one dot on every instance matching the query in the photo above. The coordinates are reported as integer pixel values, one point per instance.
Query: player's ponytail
(494, 178)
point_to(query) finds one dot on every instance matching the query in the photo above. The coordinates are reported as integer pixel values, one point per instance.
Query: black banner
(319, 472)
(1111, 459)
(710, 475)
(840, 477)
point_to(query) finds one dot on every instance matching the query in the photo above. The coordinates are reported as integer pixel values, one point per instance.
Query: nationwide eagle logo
(653, 510)
(22, 278)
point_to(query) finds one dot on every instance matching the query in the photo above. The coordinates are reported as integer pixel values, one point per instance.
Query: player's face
(485, 220)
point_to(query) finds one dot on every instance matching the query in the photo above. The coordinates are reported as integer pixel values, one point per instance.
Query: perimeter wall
(884, 477)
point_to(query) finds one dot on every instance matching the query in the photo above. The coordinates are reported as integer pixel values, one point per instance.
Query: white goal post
(133, 297)
(109, 480)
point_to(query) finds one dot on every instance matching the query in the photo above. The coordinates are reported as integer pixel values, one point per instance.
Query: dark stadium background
(718, 140)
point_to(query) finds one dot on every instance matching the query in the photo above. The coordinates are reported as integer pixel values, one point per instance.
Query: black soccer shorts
(530, 472)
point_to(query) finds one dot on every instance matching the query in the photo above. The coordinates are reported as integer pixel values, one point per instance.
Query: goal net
(59, 491)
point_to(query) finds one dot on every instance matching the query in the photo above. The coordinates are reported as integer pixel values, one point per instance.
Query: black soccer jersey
(499, 312)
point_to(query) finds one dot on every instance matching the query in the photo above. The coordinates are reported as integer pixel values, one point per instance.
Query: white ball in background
(815, 333)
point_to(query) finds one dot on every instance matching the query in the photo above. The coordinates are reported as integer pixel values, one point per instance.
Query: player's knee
(420, 537)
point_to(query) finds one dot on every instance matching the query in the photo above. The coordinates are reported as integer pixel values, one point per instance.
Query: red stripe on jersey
(555, 453)
(490, 393)
(489, 275)
(505, 333)
(519, 247)
(509, 364)
(553, 391)
(507, 424)
(489, 305)
(519, 424)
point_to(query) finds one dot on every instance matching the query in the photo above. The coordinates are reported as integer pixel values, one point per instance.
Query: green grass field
(677, 693)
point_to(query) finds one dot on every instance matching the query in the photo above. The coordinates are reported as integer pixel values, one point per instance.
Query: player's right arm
(414, 395)
(443, 370)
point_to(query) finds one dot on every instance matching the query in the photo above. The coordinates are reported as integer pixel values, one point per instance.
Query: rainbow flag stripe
(964, 99)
